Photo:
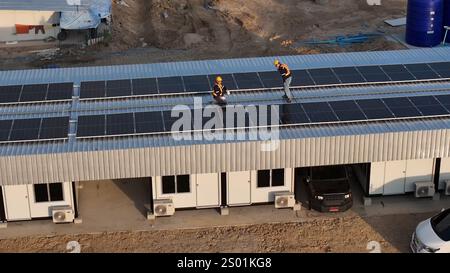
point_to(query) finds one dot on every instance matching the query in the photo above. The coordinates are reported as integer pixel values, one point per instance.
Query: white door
(208, 193)
(16, 202)
(394, 177)
(238, 188)
(376, 177)
(420, 170)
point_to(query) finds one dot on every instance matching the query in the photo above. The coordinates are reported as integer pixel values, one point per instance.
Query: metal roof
(45, 5)
(139, 156)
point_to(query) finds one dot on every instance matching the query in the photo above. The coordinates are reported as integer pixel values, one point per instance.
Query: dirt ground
(145, 31)
(348, 234)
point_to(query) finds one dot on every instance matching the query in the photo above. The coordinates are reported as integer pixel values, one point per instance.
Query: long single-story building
(385, 113)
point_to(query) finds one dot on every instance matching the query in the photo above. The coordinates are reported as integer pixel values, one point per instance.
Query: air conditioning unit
(447, 187)
(63, 214)
(163, 207)
(284, 199)
(424, 189)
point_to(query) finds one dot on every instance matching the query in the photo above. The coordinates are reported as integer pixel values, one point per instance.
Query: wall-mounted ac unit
(163, 207)
(447, 187)
(63, 214)
(424, 189)
(284, 199)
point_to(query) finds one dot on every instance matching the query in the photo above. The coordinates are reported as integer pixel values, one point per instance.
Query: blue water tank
(447, 17)
(424, 22)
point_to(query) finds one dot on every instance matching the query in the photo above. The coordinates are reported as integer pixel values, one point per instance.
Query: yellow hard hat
(219, 79)
(276, 62)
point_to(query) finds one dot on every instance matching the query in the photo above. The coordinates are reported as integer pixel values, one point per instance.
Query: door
(376, 177)
(239, 188)
(208, 192)
(16, 202)
(420, 170)
(394, 177)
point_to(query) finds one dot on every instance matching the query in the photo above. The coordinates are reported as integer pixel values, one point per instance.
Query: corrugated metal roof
(45, 5)
(145, 155)
(79, 74)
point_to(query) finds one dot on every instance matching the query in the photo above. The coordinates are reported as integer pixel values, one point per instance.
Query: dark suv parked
(329, 188)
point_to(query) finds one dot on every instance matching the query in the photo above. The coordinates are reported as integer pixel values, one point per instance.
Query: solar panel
(271, 79)
(5, 128)
(301, 78)
(149, 122)
(118, 88)
(120, 124)
(402, 107)
(95, 89)
(348, 75)
(319, 112)
(10, 94)
(429, 105)
(169, 120)
(197, 83)
(34, 92)
(397, 72)
(248, 81)
(323, 76)
(91, 126)
(228, 81)
(54, 128)
(347, 110)
(60, 91)
(443, 69)
(373, 74)
(143, 87)
(374, 109)
(170, 85)
(25, 129)
(292, 114)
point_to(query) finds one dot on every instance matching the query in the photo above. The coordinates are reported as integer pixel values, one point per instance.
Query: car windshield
(441, 225)
(328, 172)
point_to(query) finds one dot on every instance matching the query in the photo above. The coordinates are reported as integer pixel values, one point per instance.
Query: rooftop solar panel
(170, 85)
(34, 92)
(149, 122)
(301, 78)
(25, 129)
(94, 89)
(142, 87)
(271, 79)
(5, 129)
(54, 128)
(197, 83)
(60, 91)
(10, 94)
(91, 126)
(118, 88)
(248, 81)
(120, 124)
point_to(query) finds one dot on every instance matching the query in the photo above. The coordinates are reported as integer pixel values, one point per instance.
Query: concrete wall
(9, 18)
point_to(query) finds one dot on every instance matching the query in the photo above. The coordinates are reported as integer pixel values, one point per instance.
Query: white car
(432, 235)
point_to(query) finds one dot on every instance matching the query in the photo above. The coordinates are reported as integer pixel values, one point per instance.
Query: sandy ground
(348, 234)
(146, 31)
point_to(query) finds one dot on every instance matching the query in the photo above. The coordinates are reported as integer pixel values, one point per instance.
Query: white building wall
(180, 200)
(444, 172)
(20, 202)
(9, 18)
(266, 194)
(399, 176)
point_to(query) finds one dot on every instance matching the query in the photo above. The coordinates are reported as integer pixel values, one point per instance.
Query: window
(175, 184)
(48, 192)
(270, 178)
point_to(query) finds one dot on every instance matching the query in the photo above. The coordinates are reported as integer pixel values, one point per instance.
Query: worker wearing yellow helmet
(286, 75)
(219, 91)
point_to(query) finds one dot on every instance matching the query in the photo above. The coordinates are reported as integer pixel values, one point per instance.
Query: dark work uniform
(219, 93)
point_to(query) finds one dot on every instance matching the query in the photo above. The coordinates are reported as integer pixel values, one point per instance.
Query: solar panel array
(259, 80)
(289, 114)
(36, 93)
(36, 129)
